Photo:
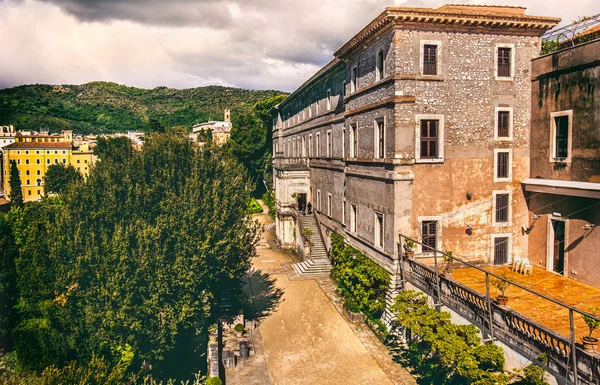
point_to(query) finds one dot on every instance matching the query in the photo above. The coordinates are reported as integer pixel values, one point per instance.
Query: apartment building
(34, 153)
(419, 126)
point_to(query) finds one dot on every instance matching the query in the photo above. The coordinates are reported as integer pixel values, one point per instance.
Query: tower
(227, 115)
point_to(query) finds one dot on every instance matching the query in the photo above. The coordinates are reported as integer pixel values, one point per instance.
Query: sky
(255, 44)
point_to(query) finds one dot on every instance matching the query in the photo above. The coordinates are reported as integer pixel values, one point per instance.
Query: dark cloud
(210, 13)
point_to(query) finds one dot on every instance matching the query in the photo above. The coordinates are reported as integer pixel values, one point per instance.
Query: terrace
(544, 313)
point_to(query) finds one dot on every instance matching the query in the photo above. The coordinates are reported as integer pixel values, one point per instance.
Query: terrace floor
(562, 289)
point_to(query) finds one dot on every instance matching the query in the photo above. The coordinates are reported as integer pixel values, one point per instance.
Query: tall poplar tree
(16, 192)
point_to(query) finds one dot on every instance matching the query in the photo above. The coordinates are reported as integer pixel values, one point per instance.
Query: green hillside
(109, 107)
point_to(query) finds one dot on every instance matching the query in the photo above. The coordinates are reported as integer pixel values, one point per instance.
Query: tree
(8, 292)
(118, 149)
(16, 192)
(58, 177)
(141, 254)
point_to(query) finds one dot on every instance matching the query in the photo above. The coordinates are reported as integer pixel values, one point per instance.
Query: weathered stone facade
(563, 193)
(356, 98)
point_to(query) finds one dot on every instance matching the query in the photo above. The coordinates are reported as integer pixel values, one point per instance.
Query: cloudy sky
(261, 44)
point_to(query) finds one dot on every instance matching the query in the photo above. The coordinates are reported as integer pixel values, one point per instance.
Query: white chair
(516, 265)
(524, 263)
(528, 269)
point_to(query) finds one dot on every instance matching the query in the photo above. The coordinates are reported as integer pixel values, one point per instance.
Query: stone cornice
(492, 19)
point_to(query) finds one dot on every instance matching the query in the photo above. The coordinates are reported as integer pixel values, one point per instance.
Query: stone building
(563, 192)
(419, 126)
(220, 131)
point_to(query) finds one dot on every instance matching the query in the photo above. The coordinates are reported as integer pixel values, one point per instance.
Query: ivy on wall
(362, 282)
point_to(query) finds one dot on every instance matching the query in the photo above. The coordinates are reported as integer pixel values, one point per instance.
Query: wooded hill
(102, 107)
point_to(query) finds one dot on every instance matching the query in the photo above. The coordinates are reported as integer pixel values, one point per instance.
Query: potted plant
(408, 248)
(448, 258)
(239, 330)
(502, 285)
(306, 233)
(589, 342)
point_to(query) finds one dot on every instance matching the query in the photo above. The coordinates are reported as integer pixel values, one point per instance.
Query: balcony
(291, 164)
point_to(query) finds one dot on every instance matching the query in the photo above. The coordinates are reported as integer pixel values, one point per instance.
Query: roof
(453, 16)
(563, 187)
(34, 145)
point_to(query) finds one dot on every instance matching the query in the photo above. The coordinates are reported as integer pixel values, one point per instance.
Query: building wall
(567, 80)
(465, 94)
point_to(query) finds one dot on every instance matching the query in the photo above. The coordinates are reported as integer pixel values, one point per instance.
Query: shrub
(351, 305)
(214, 381)
(358, 277)
(238, 328)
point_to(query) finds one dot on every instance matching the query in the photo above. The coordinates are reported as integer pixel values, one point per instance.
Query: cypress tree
(16, 193)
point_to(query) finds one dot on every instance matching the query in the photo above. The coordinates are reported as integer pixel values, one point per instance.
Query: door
(501, 250)
(558, 247)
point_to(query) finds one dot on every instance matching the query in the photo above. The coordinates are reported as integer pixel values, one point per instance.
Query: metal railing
(491, 315)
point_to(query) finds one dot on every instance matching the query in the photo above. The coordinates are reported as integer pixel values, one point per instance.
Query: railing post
(573, 347)
(489, 303)
(400, 267)
(437, 281)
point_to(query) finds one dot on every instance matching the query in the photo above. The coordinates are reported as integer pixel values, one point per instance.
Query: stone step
(312, 267)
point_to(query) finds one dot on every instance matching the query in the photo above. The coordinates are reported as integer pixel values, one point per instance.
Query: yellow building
(35, 153)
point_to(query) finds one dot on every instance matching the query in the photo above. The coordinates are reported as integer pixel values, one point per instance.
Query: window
(429, 59)
(344, 212)
(37, 161)
(26, 172)
(28, 192)
(304, 146)
(318, 144)
(502, 165)
(27, 181)
(501, 208)
(504, 61)
(380, 138)
(329, 208)
(429, 139)
(380, 67)
(429, 236)
(501, 249)
(328, 99)
(47, 161)
(353, 218)
(318, 200)
(56, 161)
(504, 123)
(353, 79)
(64, 161)
(329, 144)
(39, 182)
(560, 139)
(379, 230)
(353, 141)
(26, 161)
(343, 143)
(39, 172)
(310, 145)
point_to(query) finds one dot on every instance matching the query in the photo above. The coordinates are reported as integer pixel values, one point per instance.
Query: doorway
(556, 246)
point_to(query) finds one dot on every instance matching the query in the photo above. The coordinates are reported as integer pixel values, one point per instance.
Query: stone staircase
(318, 263)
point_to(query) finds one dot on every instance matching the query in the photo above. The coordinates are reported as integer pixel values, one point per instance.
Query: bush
(351, 305)
(255, 207)
(214, 381)
(358, 277)
(238, 328)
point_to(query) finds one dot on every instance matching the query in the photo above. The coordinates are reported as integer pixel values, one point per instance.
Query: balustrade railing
(493, 317)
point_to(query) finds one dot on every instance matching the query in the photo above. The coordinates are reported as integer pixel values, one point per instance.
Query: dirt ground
(304, 338)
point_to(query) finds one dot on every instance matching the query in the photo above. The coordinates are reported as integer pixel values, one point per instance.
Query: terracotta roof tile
(34, 145)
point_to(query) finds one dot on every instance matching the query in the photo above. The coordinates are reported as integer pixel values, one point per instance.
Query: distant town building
(563, 191)
(35, 152)
(7, 136)
(220, 131)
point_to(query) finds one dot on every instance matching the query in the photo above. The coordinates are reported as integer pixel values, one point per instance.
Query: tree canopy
(58, 177)
(138, 256)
